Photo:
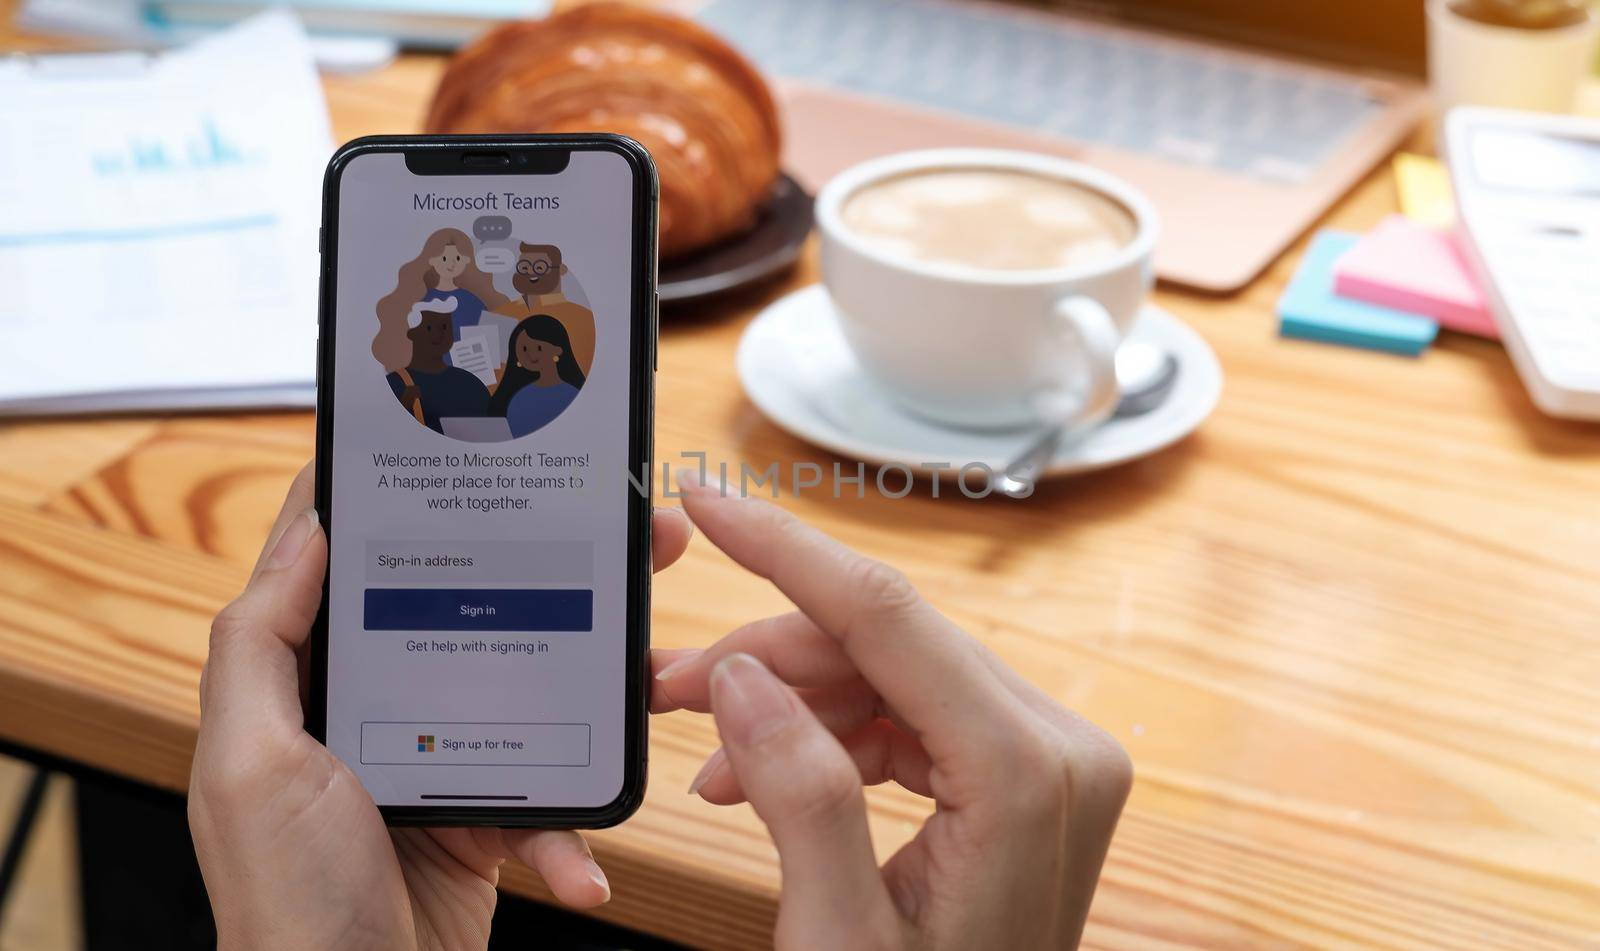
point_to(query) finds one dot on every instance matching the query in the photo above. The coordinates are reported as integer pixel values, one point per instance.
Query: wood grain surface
(1349, 631)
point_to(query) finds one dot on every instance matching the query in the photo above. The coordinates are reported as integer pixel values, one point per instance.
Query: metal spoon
(1145, 375)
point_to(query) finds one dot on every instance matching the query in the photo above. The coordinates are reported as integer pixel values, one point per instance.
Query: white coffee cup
(986, 348)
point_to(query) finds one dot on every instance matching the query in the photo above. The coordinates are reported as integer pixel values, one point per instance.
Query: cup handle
(1086, 320)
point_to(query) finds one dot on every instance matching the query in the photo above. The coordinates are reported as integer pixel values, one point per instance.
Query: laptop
(1240, 149)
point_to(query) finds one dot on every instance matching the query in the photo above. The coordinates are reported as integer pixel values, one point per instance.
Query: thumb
(805, 787)
(252, 679)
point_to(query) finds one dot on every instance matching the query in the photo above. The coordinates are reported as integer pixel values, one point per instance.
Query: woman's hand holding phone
(294, 852)
(866, 683)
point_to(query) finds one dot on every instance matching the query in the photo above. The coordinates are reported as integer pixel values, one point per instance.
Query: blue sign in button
(519, 610)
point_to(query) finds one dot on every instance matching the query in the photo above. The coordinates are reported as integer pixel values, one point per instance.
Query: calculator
(1528, 195)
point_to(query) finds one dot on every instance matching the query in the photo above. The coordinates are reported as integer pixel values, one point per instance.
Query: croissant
(702, 110)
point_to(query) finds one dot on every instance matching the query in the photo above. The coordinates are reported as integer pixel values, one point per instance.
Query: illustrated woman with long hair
(444, 270)
(542, 377)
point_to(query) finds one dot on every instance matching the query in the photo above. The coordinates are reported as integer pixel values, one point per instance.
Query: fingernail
(749, 702)
(713, 762)
(680, 665)
(293, 540)
(684, 518)
(599, 878)
(692, 480)
(688, 479)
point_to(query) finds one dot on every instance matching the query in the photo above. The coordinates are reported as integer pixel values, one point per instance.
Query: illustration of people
(444, 270)
(542, 377)
(426, 386)
(537, 280)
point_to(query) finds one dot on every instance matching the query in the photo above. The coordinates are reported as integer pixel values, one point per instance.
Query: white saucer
(797, 369)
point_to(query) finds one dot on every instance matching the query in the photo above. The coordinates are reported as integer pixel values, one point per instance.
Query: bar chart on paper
(166, 210)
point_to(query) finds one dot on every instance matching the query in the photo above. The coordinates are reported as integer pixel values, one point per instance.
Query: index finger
(928, 670)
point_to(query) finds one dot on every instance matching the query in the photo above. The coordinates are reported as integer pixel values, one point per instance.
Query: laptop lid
(1379, 34)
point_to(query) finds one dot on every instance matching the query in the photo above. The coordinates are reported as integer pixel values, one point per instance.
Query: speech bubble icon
(496, 260)
(491, 228)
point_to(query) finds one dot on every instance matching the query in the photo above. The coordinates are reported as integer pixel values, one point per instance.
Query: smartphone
(486, 368)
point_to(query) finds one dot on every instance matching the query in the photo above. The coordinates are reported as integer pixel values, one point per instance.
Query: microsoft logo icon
(424, 742)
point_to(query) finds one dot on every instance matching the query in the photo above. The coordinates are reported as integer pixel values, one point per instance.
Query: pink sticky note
(1417, 269)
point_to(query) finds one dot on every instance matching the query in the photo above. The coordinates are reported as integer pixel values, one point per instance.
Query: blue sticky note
(1310, 310)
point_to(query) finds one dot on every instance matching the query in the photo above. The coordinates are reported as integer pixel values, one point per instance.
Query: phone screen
(483, 408)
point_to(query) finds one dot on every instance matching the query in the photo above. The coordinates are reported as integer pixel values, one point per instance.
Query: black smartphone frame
(516, 155)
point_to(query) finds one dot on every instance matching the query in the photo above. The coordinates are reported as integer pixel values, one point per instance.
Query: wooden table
(1349, 631)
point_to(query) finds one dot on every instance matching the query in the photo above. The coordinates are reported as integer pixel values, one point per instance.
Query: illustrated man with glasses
(539, 271)
(537, 280)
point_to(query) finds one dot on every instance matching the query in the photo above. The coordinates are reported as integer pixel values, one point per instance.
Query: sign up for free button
(483, 610)
(474, 744)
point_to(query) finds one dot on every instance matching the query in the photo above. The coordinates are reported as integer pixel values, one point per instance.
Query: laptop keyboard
(1059, 76)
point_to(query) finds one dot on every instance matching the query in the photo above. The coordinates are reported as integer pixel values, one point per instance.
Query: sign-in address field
(433, 561)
